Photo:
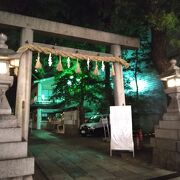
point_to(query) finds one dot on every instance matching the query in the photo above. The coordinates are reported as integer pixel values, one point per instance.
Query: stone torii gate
(29, 25)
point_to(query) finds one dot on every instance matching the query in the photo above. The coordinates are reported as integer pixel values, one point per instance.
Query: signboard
(121, 128)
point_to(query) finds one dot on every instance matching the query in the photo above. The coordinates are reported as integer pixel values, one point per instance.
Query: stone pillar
(5, 82)
(20, 94)
(39, 118)
(26, 36)
(119, 96)
(24, 84)
(39, 93)
(39, 111)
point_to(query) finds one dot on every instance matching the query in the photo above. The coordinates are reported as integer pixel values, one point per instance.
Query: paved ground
(86, 158)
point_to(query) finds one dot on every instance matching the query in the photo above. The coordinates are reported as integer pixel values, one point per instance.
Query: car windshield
(93, 119)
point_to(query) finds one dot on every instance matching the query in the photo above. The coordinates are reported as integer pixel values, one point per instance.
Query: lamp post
(13, 147)
(166, 144)
(5, 79)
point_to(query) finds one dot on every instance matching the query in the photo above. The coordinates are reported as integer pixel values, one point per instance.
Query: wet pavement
(61, 157)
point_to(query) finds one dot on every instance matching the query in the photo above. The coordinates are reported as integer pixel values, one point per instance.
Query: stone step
(13, 150)
(167, 134)
(10, 134)
(156, 126)
(27, 178)
(20, 178)
(169, 124)
(7, 117)
(152, 142)
(167, 160)
(171, 116)
(16, 167)
(167, 144)
(8, 123)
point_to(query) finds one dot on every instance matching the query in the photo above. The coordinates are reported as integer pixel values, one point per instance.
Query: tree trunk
(135, 76)
(159, 48)
(108, 89)
(81, 103)
(81, 114)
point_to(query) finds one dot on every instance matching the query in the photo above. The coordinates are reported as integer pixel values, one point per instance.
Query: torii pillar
(119, 96)
(24, 84)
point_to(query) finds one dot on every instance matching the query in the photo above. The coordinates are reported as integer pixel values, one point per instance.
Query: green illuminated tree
(160, 16)
(83, 90)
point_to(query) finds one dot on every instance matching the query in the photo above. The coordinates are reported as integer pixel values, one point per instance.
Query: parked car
(93, 126)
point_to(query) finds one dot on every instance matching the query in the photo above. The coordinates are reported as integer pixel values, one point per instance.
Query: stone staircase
(14, 161)
(166, 143)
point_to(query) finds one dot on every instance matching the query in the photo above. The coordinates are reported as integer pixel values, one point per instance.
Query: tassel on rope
(113, 71)
(59, 65)
(78, 69)
(103, 66)
(68, 62)
(38, 63)
(50, 59)
(88, 61)
(96, 69)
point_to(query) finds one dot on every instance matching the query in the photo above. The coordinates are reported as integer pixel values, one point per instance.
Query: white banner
(121, 128)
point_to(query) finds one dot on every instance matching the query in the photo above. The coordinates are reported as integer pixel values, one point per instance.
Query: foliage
(163, 21)
(161, 14)
(79, 89)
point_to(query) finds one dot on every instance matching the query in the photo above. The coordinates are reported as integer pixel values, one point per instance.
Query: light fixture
(172, 76)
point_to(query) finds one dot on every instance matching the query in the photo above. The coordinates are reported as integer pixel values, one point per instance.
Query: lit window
(43, 97)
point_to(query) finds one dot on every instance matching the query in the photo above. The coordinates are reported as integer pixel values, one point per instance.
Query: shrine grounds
(60, 157)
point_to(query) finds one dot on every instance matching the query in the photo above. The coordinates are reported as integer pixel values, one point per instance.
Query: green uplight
(142, 85)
